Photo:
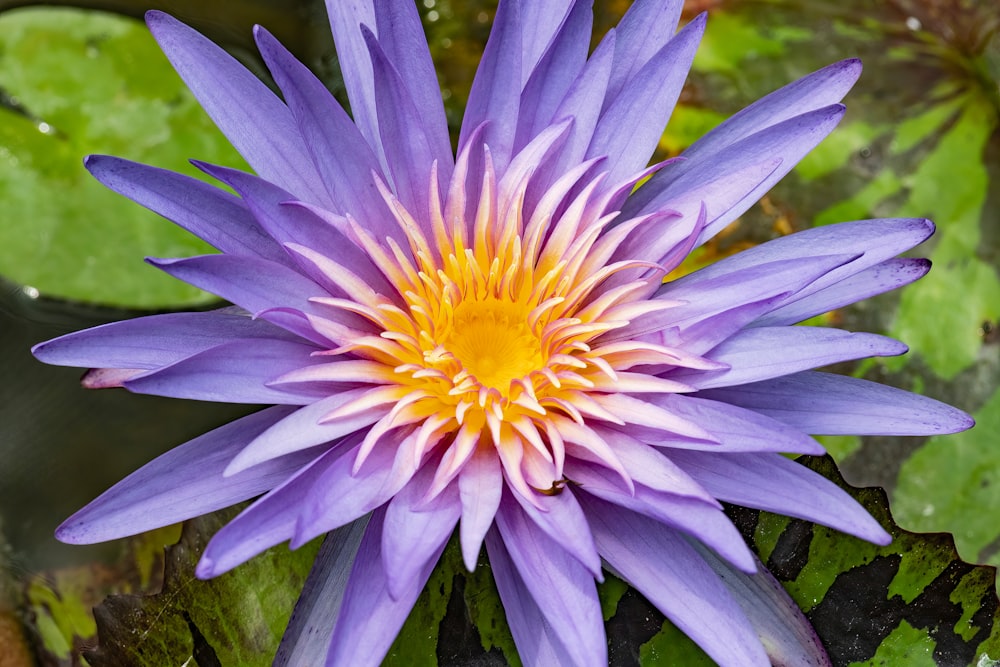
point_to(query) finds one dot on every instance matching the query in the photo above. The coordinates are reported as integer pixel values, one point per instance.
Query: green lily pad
(951, 481)
(235, 619)
(80, 82)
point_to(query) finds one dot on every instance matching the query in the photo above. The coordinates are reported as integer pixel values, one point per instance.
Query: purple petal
(496, 89)
(644, 29)
(342, 494)
(185, 482)
(644, 105)
(561, 518)
(302, 430)
(346, 19)
(787, 635)
(410, 536)
(235, 372)
(555, 72)
(288, 222)
(536, 642)
(578, 104)
(370, 618)
(256, 285)
(774, 483)
(401, 36)
(733, 428)
(668, 247)
(342, 156)
(787, 141)
(767, 352)
(888, 275)
(718, 306)
(695, 517)
(648, 466)
(871, 241)
(821, 88)
(153, 341)
(480, 486)
(823, 403)
(254, 120)
(670, 573)
(307, 636)
(408, 150)
(268, 521)
(562, 588)
(212, 214)
(540, 25)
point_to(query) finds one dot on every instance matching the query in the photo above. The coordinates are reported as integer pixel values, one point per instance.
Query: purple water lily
(486, 340)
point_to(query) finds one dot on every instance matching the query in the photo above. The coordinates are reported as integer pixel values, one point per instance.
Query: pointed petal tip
(71, 531)
(205, 569)
(155, 15)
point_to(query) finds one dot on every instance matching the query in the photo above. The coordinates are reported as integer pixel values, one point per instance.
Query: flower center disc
(492, 340)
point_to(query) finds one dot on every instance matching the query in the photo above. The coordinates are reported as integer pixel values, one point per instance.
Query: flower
(493, 340)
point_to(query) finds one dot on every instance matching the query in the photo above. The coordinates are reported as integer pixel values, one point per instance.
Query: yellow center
(493, 342)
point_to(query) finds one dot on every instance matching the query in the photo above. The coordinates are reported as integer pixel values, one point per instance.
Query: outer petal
(401, 35)
(716, 307)
(880, 278)
(734, 429)
(555, 72)
(408, 148)
(341, 495)
(644, 105)
(370, 618)
(702, 520)
(767, 352)
(206, 211)
(265, 289)
(540, 22)
(871, 241)
(304, 429)
(819, 89)
(233, 373)
(788, 141)
(411, 536)
(646, 27)
(786, 633)
(153, 341)
(680, 584)
(496, 89)
(254, 120)
(561, 518)
(823, 403)
(346, 19)
(289, 222)
(307, 636)
(537, 644)
(562, 589)
(268, 521)
(774, 483)
(185, 482)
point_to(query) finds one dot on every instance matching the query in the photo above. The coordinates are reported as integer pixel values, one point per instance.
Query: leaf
(871, 604)
(234, 619)
(953, 481)
(950, 186)
(86, 82)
